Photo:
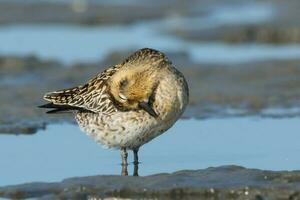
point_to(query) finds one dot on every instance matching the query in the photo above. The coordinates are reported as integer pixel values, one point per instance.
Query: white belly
(123, 129)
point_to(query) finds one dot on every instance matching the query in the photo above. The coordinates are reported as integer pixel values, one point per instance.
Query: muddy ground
(227, 182)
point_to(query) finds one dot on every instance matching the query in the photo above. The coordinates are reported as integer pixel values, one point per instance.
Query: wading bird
(128, 104)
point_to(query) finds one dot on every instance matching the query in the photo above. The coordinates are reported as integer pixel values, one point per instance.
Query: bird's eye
(123, 84)
(122, 97)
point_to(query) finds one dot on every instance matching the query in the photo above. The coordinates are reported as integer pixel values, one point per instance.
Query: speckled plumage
(128, 104)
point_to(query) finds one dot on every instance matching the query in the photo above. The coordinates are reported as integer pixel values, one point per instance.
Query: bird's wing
(92, 96)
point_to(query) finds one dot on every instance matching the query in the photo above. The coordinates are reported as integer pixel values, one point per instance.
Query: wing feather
(92, 96)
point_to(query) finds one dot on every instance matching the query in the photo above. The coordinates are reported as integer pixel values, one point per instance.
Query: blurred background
(241, 59)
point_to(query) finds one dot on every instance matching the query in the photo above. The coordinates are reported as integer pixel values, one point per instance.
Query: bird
(128, 104)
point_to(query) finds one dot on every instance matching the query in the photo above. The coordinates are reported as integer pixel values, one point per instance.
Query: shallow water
(62, 150)
(69, 43)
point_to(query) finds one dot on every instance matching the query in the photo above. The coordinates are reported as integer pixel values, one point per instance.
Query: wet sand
(226, 182)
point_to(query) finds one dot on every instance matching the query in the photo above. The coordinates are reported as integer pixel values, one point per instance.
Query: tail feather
(63, 100)
(47, 105)
(60, 108)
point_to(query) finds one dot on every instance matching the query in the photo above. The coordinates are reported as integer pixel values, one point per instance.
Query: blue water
(62, 150)
(70, 43)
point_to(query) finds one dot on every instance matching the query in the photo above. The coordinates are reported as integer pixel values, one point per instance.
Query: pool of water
(62, 150)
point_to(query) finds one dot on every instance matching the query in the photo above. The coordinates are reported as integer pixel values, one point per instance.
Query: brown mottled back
(102, 93)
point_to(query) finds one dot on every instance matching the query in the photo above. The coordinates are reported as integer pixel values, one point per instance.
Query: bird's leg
(136, 162)
(135, 156)
(124, 156)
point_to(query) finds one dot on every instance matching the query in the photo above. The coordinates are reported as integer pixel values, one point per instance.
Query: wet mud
(226, 182)
(267, 34)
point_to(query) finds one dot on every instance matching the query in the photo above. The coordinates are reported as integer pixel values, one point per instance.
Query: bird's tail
(61, 100)
(58, 108)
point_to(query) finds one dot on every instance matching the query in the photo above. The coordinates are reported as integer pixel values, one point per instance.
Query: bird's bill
(145, 106)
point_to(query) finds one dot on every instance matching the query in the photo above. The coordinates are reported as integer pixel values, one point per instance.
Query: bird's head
(133, 86)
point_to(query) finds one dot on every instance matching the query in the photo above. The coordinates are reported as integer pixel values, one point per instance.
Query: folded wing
(92, 96)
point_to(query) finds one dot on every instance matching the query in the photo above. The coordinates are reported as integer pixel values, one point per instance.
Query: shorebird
(128, 104)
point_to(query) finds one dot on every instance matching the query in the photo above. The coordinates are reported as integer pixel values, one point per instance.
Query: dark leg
(124, 156)
(136, 162)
